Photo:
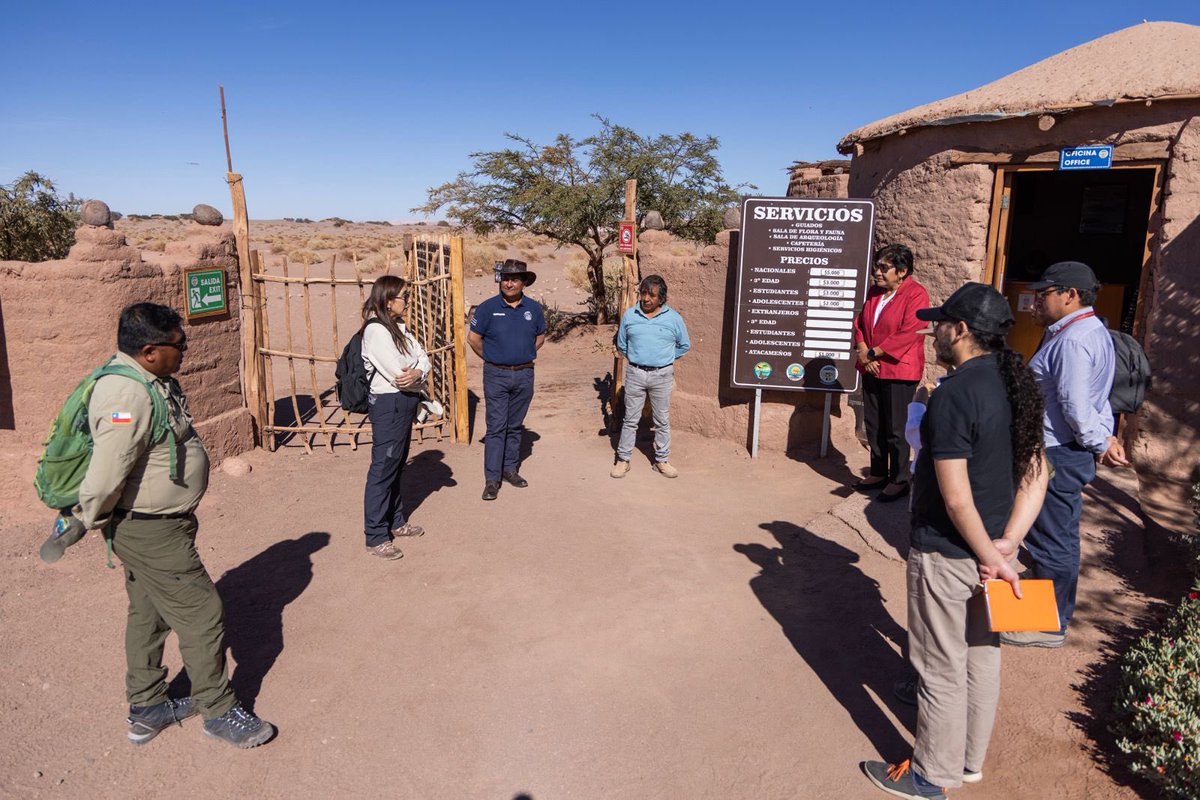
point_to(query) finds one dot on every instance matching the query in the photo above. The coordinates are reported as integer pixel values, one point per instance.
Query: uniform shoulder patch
(121, 418)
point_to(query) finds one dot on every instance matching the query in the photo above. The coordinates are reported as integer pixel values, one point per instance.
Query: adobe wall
(58, 320)
(702, 290)
(942, 212)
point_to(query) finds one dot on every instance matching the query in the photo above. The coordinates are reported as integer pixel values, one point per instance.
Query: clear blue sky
(354, 110)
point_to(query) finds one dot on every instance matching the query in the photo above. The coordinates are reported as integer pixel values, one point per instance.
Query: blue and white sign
(1087, 157)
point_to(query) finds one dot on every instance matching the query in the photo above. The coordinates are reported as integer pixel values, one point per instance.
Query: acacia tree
(573, 191)
(35, 223)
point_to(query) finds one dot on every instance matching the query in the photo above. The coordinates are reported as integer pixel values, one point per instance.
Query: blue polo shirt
(652, 341)
(509, 334)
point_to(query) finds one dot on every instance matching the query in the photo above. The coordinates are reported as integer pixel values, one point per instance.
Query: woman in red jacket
(891, 357)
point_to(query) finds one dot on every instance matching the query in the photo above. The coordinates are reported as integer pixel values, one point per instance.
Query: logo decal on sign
(795, 372)
(828, 374)
(762, 370)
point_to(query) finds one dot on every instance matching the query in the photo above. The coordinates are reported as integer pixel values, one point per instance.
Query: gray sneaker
(240, 728)
(146, 722)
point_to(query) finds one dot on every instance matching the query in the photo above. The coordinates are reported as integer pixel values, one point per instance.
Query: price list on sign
(802, 277)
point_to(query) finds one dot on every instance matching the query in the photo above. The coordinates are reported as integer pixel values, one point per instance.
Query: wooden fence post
(458, 315)
(250, 304)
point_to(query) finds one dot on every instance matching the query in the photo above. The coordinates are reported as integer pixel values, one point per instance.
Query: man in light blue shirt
(651, 337)
(1074, 366)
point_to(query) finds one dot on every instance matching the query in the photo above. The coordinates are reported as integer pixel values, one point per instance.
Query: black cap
(1069, 275)
(514, 266)
(980, 306)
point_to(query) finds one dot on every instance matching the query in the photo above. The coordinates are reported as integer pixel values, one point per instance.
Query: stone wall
(941, 210)
(819, 179)
(58, 320)
(702, 290)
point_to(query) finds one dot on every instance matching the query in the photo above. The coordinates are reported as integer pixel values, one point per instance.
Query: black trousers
(391, 432)
(885, 410)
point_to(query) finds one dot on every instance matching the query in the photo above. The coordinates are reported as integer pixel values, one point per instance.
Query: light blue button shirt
(652, 341)
(1074, 368)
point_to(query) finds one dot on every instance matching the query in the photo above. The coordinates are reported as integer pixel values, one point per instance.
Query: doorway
(1100, 217)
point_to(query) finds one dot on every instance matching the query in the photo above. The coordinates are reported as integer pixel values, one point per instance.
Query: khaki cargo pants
(169, 590)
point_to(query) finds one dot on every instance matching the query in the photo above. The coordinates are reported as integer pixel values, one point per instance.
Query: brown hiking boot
(386, 550)
(665, 469)
(620, 469)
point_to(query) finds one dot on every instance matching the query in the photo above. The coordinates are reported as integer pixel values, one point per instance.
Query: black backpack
(353, 380)
(1132, 376)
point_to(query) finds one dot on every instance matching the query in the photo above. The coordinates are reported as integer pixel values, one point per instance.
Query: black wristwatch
(871, 354)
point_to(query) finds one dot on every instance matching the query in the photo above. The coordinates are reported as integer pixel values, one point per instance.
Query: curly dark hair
(1025, 400)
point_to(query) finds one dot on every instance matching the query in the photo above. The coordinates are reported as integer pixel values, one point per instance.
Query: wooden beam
(458, 317)
(1131, 151)
(247, 317)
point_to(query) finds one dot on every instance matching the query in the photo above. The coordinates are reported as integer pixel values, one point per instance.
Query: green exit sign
(204, 292)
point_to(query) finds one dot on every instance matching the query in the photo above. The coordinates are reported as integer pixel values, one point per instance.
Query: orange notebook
(1037, 609)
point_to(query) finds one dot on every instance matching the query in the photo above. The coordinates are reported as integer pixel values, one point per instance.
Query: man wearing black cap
(507, 330)
(977, 487)
(1074, 367)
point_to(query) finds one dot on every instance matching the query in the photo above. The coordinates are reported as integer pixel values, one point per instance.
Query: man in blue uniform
(651, 337)
(506, 332)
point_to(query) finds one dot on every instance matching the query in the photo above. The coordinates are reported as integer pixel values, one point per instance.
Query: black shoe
(491, 489)
(240, 728)
(513, 477)
(905, 689)
(146, 722)
(890, 497)
(864, 487)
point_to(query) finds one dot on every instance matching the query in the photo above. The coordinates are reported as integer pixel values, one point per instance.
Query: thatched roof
(1151, 61)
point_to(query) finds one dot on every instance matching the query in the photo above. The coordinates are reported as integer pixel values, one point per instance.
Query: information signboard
(204, 292)
(802, 277)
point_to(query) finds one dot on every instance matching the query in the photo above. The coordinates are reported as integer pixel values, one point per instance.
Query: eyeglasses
(181, 345)
(1044, 293)
(882, 268)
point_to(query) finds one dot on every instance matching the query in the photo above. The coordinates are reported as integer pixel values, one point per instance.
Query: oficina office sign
(1085, 157)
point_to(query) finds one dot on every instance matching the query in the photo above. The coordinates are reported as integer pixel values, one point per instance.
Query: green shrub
(35, 223)
(1158, 707)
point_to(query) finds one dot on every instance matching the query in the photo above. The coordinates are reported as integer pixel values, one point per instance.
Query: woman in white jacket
(398, 366)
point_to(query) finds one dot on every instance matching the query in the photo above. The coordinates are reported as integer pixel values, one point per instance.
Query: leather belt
(526, 365)
(648, 369)
(124, 512)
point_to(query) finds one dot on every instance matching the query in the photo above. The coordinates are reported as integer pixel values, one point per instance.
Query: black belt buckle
(646, 369)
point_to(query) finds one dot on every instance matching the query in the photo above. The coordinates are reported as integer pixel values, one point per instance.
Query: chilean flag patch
(121, 418)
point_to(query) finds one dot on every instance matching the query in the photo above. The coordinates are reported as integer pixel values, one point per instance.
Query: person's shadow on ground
(255, 594)
(425, 474)
(834, 617)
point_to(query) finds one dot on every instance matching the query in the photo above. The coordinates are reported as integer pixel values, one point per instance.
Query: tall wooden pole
(251, 303)
(629, 282)
(458, 318)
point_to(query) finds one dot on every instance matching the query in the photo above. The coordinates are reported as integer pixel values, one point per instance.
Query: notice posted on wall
(802, 277)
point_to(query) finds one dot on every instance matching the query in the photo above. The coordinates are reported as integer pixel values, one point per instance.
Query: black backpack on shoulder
(353, 380)
(1132, 376)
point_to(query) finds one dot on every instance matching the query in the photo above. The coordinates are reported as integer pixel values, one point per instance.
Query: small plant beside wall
(1158, 707)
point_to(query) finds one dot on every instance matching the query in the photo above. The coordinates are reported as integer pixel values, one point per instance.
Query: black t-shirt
(968, 417)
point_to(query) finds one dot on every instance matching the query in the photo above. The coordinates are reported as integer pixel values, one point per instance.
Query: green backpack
(68, 449)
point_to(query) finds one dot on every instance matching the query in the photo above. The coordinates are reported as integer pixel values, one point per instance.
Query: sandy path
(730, 634)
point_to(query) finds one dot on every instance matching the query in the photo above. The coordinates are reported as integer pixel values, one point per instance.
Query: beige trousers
(958, 659)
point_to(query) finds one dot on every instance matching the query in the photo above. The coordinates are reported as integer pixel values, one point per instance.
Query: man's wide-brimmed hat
(514, 266)
(1069, 275)
(980, 306)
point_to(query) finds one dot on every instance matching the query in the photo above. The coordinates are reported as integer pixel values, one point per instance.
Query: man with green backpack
(140, 482)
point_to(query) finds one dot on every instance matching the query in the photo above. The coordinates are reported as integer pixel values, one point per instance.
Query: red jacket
(896, 332)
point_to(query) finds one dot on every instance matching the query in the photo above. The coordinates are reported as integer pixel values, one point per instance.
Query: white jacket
(381, 355)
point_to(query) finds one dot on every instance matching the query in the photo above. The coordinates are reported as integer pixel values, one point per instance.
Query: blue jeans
(657, 386)
(391, 418)
(1053, 541)
(507, 393)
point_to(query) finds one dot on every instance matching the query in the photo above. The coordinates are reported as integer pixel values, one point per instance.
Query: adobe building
(974, 184)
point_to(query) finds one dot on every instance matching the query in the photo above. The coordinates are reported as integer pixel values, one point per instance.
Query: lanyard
(1045, 339)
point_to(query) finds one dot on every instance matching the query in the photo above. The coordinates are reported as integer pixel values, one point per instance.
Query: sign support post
(628, 250)
(825, 424)
(754, 435)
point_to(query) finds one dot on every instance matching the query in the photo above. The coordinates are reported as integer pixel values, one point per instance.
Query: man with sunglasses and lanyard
(142, 490)
(1074, 366)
